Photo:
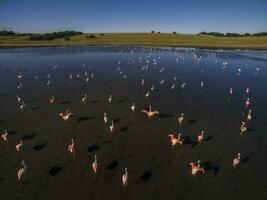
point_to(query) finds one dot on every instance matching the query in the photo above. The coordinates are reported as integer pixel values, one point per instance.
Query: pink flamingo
(243, 128)
(19, 146)
(94, 165)
(67, 115)
(71, 148)
(200, 137)
(196, 168)
(105, 118)
(133, 107)
(181, 119)
(52, 99)
(125, 178)
(149, 112)
(22, 171)
(174, 140)
(236, 161)
(4, 135)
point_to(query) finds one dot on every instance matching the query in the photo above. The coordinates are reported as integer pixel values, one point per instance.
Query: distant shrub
(67, 39)
(158, 32)
(260, 34)
(217, 34)
(152, 32)
(102, 34)
(7, 33)
(54, 35)
(174, 32)
(91, 36)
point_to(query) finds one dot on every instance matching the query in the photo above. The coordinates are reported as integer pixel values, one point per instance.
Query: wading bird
(110, 98)
(84, 98)
(52, 99)
(111, 127)
(94, 165)
(249, 115)
(22, 171)
(181, 119)
(133, 107)
(18, 98)
(174, 140)
(247, 102)
(19, 146)
(125, 178)
(105, 118)
(71, 148)
(67, 115)
(200, 137)
(4, 135)
(149, 112)
(236, 160)
(196, 168)
(243, 128)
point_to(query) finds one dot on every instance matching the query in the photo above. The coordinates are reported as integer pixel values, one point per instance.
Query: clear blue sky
(184, 16)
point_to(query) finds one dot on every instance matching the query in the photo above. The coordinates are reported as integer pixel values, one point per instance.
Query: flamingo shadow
(212, 166)
(247, 158)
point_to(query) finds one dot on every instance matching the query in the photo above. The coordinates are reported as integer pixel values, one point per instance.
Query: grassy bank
(162, 39)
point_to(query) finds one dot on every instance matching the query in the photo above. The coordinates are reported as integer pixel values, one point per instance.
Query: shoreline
(7, 46)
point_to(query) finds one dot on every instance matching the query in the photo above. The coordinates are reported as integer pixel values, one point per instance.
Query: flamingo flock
(175, 139)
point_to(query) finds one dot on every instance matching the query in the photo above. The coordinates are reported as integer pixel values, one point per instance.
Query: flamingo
(94, 165)
(247, 90)
(231, 91)
(201, 84)
(18, 98)
(150, 113)
(125, 178)
(249, 115)
(200, 137)
(105, 118)
(196, 168)
(67, 115)
(71, 148)
(19, 86)
(236, 161)
(247, 102)
(19, 75)
(22, 171)
(19, 146)
(133, 107)
(52, 99)
(147, 94)
(173, 86)
(22, 106)
(48, 83)
(183, 85)
(110, 98)
(181, 119)
(111, 127)
(4, 135)
(243, 128)
(84, 98)
(142, 82)
(174, 140)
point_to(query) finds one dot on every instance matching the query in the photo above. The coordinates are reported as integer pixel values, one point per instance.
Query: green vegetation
(148, 39)
(217, 34)
(54, 35)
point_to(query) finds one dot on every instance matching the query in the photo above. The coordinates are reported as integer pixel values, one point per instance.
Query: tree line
(218, 34)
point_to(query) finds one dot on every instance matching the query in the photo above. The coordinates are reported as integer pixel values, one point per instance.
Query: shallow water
(156, 169)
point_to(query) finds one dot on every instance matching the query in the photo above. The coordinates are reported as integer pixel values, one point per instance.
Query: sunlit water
(156, 169)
